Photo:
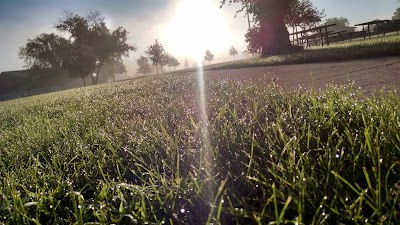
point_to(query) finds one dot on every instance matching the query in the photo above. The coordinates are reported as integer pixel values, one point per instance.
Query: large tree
(44, 51)
(269, 36)
(94, 42)
(156, 53)
(396, 15)
(269, 15)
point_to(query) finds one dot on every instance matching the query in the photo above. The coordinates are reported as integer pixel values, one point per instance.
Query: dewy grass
(132, 153)
(370, 48)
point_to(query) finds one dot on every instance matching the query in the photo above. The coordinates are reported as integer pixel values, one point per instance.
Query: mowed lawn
(148, 152)
(349, 50)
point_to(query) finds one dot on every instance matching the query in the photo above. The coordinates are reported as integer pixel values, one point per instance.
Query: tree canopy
(44, 51)
(396, 15)
(209, 56)
(144, 66)
(93, 42)
(343, 21)
(233, 52)
(156, 53)
(303, 14)
(173, 62)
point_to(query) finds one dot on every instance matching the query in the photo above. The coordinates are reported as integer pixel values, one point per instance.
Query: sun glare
(195, 27)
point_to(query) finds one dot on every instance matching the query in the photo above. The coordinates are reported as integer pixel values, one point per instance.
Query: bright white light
(196, 26)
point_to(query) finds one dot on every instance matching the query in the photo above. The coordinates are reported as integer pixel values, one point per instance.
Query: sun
(196, 25)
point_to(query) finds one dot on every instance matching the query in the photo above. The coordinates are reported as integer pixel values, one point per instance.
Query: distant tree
(156, 53)
(93, 43)
(44, 51)
(187, 64)
(233, 52)
(173, 62)
(164, 61)
(208, 57)
(396, 15)
(144, 65)
(343, 21)
(109, 69)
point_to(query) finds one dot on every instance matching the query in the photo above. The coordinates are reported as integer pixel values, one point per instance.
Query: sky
(186, 28)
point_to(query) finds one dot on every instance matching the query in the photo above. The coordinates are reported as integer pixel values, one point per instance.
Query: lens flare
(205, 150)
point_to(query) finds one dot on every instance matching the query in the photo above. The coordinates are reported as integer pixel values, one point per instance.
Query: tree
(93, 42)
(156, 53)
(164, 61)
(187, 64)
(233, 52)
(303, 14)
(208, 57)
(173, 62)
(342, 21)
(44, 51)
(269, 17)
(269, 32)
(396, 15)
(144, 66)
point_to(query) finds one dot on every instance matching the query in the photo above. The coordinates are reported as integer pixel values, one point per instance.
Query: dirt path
(369, 74)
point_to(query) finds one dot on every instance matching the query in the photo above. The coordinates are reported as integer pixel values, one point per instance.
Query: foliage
(274, 157)
(165, 60)
(156, 53)
(343, 21)
(144, 66)
(94, 42)
(396, 15)
(269, 35)
(173, 62)
(209, 56)
(232, 51)
(303, 14)
(44, 51)
(254, 40)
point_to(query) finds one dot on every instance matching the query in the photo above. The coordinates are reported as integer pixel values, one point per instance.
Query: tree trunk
(273, 30)
(84, 81)
(96, 78)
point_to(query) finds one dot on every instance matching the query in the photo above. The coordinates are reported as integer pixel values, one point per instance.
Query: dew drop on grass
(183, 210)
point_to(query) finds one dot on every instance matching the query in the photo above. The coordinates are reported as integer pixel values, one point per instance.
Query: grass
(370, 48)
(136, 153)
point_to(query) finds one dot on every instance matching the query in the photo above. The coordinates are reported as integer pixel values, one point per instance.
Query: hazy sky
(166, 20)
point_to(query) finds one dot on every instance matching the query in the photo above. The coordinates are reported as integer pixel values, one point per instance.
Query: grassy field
(148, 152)
(358, 49)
